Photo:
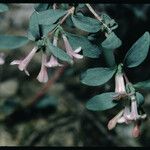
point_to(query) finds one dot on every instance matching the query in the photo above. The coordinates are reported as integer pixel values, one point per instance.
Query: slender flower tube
(69, 49)
(43, 75)
(22, 64)
(133, 116)
(113, 122)
(53, 62)
(2, 58)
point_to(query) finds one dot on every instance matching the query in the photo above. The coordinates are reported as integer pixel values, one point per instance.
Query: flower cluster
(132, 111)
(52, 60)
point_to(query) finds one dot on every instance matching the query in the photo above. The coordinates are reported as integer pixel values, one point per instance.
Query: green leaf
(3, 7)
(59, 53)
(50, 16)
(111, 23)
(86, 23)
(81, 5)
(140, 98)
(138, 52)
(89, 49)
(41, 7)
(101, 102)
(112, 42)
(45, 29)
(144, 85)
(97, 76)
(47, 101)
(34, 30)
(12, 42)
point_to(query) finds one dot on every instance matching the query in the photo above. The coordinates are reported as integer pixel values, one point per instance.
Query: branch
(57, 74)
(97, 16)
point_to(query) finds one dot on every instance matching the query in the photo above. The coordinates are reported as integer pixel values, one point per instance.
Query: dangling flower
(22, 64)
(133, 116)
(53, 62)
(136, 130)
(43, 75)
(120, 89)
(113, 122)
(2, 58)
(69, 49)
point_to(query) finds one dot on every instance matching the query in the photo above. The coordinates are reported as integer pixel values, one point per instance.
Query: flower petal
(15, 62)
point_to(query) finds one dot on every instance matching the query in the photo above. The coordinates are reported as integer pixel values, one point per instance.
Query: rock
(8, 88)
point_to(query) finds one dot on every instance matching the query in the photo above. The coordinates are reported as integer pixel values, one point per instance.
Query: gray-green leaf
(112, 42)
(138, 52)
(12, 42)
(140, 98)
(59, 53)
(97, 76)
(101, 102)
(144, 85)
(50, 16)
(47, 101)
(34, 30)
(86, 23)
(89, 49)
(3, 7)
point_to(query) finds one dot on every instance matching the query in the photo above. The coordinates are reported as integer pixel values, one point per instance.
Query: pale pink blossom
(43, 75)
(22, 64)
(69, 49)
(136, 130)
(133, 115)
(113, 122)
(120, 89)
(2, 58)
(53, 62)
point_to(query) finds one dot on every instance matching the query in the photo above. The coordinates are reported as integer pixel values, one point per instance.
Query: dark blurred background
(59, 116)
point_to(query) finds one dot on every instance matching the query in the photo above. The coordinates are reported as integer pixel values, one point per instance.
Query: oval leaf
(140, 98)
(34, 30)
(50, 16)
(59, 53)
(138, 52)
(112, 42)
(3, 7)
(86, 23)
(101, 102)
(12, 42)
(89, 49)
(144, 85)
(47, 101)
(97, 76)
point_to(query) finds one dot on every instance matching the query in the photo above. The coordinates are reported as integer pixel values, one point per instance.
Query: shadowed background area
(54, 114)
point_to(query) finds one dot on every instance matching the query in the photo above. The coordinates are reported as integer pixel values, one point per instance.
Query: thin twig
(97, 16)
(57, 74)
(70, 11)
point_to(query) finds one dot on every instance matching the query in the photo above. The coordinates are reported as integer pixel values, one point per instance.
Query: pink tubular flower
(43, 75)
(22, 64)
(69, 50)
(133, 116)
(113, 122)
(53, 62)
(2, 58)
(120, 89)
(136, 130)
